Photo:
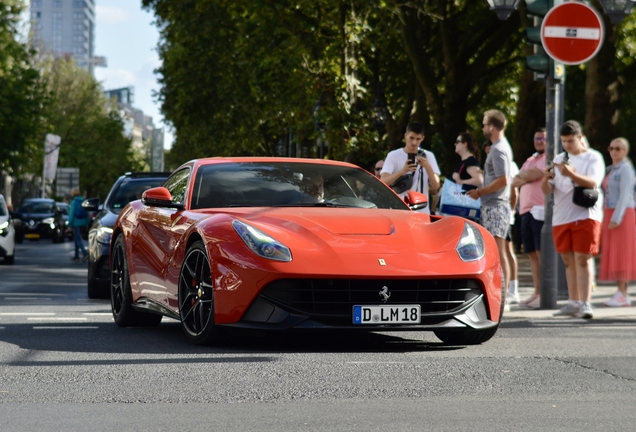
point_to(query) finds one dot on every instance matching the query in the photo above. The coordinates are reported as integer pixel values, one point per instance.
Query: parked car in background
(35, 219)
(128, 187)
(7, 233)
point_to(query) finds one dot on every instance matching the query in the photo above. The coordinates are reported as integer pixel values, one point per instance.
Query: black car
(35, 219)
(127, 188)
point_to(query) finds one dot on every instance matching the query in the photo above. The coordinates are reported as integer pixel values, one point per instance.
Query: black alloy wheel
(196, 296)
(121, 295)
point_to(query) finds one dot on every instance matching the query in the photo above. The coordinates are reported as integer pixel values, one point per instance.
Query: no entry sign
(572, 33)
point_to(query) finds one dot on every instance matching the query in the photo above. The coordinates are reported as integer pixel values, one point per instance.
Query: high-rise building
(67, 29)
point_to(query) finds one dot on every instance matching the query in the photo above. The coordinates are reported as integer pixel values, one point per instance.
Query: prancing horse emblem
(385, 294)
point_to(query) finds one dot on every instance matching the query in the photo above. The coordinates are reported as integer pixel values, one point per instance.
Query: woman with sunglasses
(618, 233)
(468, 173)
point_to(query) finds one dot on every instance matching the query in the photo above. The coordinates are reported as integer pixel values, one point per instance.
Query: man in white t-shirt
(576, 230)
(425, 170)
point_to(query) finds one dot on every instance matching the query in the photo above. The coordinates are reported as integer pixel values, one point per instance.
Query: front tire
(121, 295)
(196, 297)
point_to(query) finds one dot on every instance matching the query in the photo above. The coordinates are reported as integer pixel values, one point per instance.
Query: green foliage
(91, 128)
(21, 96)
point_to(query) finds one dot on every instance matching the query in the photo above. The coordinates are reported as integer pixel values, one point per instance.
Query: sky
(126, 36)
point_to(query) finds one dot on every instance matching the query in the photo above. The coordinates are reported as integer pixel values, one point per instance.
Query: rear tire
(10, 259)
(121, 295)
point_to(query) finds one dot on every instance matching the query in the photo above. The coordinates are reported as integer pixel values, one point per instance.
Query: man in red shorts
(576, 230)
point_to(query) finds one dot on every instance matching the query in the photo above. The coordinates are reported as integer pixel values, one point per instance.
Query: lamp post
(617, 10)
(319, 125)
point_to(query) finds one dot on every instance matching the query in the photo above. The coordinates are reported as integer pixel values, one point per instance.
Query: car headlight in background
(262, 244)
(4, 228)
(471, 244)
(103, 235)
(49, 221)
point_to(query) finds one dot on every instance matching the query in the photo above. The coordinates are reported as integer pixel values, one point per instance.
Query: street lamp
(617, 10)
(503, 8)
(319, 124)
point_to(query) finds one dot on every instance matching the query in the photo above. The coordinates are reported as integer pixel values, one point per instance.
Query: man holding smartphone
(422, 166)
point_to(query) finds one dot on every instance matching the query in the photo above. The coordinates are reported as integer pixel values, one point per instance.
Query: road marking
(21, 294)
(26, 298)
(57, 319)
(98, 313)
(27, 313)
(65, 328)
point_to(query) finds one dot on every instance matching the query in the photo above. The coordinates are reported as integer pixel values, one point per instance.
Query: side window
(177, 184)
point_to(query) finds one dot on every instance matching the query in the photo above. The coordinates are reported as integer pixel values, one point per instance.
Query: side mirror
(416, 200)
(91, 204)
(159, 197)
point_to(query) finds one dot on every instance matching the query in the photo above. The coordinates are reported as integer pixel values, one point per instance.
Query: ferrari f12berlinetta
(277, 243)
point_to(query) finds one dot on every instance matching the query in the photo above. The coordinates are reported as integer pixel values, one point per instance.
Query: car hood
(35, 216)
(359, 230)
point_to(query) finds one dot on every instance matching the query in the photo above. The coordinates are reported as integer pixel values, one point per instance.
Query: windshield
(130, 190)
(36, 207)
(264, 184)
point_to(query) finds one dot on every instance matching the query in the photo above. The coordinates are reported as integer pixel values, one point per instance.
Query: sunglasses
(539, 139)
(614, 148)
(378, 168)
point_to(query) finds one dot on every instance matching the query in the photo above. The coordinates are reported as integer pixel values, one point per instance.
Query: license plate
(385, 314)
(32, 236)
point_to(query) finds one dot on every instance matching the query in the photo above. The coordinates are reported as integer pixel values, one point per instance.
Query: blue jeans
(79, 245)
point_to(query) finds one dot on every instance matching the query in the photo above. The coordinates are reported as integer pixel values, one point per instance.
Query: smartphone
(421, 153)
(411, 157)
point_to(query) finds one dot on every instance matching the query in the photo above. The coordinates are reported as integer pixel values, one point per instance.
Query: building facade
(67, 29)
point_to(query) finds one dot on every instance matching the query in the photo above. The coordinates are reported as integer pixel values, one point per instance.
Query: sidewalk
(600, 294)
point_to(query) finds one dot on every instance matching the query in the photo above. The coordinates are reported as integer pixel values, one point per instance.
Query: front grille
(336, 297)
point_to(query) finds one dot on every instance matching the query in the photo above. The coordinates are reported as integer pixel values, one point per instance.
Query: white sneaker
(568, 309)
(535, 304)
(585, 311)
(512, 299)
(619, 300)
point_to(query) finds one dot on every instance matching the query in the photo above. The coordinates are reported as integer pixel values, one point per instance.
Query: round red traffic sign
(572, 33)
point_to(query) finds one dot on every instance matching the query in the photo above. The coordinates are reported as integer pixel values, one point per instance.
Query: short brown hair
(571, 127)
(496, 118)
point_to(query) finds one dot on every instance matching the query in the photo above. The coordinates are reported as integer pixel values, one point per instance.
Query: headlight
(471, 244)
(4, 228)
(262, 244)
(48, 221)
(103, 235)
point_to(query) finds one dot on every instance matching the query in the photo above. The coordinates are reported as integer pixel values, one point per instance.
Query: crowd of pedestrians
(593, 206)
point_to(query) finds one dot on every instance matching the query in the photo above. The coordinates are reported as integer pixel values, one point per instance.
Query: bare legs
(579, 275)
(503, 257)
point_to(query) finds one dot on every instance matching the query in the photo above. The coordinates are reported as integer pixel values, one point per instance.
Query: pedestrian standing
(495, 193)
(576, 229)
(618, 233)
(378, 167)
(468, 173)
(531, 209)
(78, 219)
(425, 170)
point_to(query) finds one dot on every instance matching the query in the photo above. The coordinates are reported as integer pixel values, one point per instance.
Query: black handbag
(403, 184)
(584, 197)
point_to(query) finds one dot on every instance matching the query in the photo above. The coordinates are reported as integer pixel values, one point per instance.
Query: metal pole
(548, 251)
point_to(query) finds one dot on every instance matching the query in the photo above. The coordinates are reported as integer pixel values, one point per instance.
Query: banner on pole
(51, 153)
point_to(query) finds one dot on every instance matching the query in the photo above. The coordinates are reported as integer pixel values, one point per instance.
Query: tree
(89, 125)
(21, 96)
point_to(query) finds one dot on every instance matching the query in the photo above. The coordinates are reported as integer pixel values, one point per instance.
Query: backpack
(80, 213)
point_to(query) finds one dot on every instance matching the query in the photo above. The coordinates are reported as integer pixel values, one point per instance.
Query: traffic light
(539, 62)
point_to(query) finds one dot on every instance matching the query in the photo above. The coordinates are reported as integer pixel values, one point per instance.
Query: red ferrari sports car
(277, 243)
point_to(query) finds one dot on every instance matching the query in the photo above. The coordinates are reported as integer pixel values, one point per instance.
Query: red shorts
(582, 236)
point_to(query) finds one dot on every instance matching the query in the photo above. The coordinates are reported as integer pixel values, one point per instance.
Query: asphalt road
(64, 365)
